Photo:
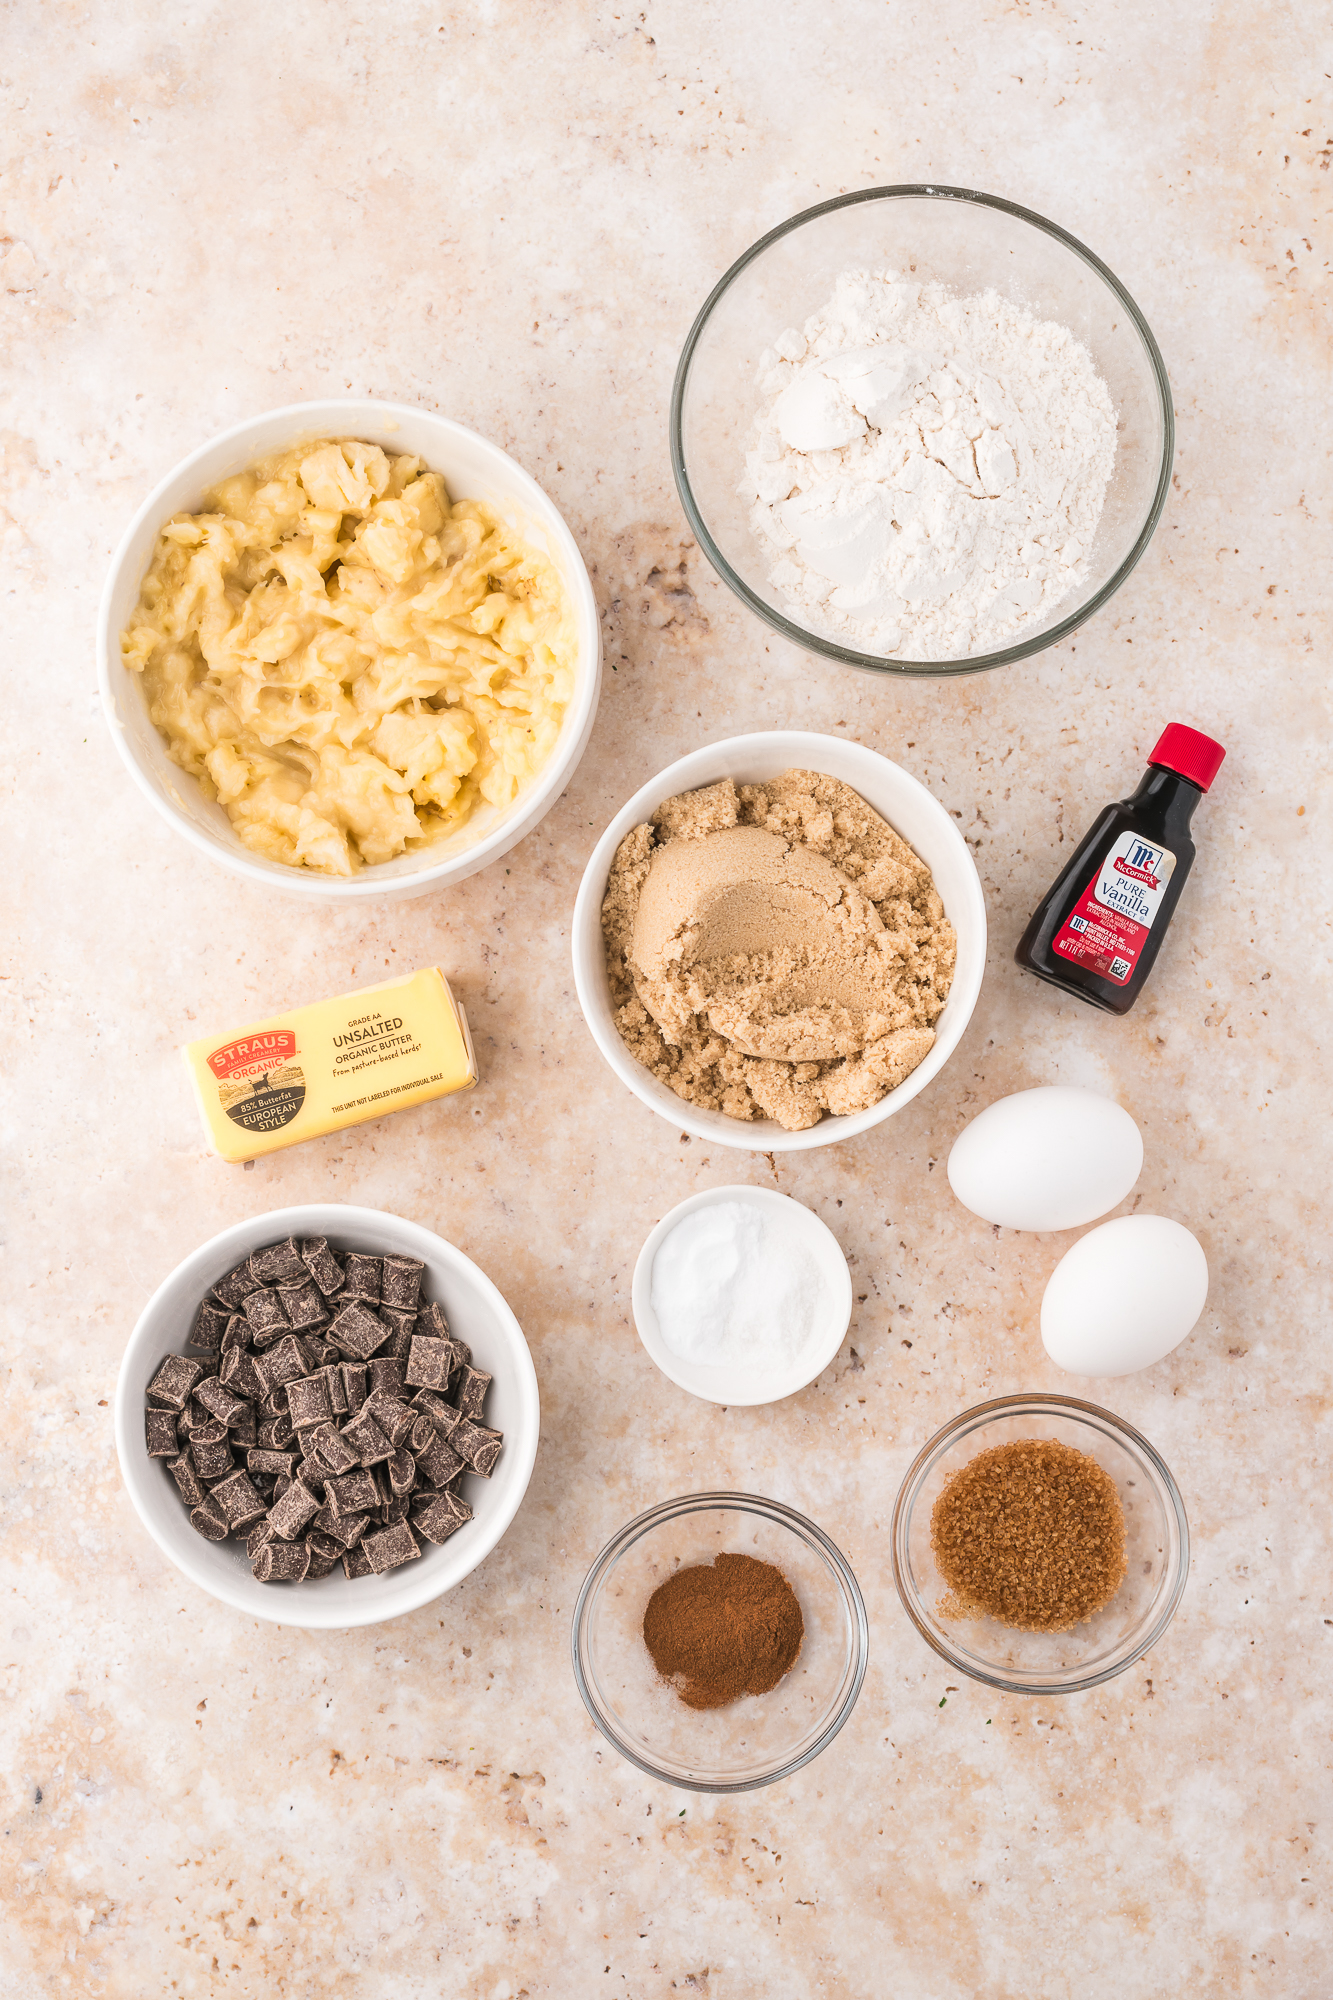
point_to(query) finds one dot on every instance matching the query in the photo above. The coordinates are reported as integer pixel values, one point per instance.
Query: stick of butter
(336, 1063)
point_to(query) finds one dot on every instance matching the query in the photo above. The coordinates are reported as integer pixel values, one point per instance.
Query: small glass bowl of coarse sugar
(720, 1641)
(742, 1295)
(1040, 1544)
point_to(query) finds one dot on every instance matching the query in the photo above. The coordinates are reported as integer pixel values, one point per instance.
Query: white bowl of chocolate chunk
(327, 1416)
(779, 941)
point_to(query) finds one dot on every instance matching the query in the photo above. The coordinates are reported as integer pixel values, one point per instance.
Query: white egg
(1124, 1296)
(1052, 1158)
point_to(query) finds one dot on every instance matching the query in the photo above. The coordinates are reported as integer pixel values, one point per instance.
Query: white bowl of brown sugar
(779, 940)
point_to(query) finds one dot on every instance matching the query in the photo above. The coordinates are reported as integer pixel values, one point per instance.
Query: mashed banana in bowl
(349, 662)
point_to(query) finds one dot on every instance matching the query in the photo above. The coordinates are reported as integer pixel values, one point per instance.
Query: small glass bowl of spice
(720, 1641)
(1040, 1544)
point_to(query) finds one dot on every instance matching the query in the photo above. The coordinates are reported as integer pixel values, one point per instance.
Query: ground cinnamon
(723, 1629)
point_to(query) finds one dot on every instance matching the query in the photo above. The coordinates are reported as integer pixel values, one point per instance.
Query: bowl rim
(131, 1450)
(831, 649)
(1019, 1404)
(530, 806)
(690, 1376)
(763, 1136)
(798, 1524)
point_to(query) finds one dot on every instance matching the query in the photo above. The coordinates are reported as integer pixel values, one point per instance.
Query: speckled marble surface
(510, 212)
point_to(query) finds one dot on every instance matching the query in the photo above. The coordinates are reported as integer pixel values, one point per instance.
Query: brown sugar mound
(775, 950)
(723, 1629)
(1030, 1533)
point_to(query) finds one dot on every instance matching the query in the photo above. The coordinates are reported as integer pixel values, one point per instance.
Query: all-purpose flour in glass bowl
(930, 470)
(742, 1295)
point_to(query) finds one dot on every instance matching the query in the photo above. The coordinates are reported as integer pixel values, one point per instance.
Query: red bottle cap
(1189, 753)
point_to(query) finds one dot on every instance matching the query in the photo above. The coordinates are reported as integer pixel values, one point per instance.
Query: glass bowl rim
(771, 1510)
(873, 662)
(1037, 1404)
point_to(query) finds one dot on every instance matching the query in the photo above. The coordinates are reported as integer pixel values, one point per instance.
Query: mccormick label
(261, 1086)
(1108, 926)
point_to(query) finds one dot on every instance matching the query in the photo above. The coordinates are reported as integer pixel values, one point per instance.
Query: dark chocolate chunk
(302, 1303)
(219, 1400)
(208, 1520)
(266, 1318)
(470, 1392)
(261, 1533)
(387, 1547)
(282, 1364)
(281, 1562)
(212, 1460)
(297, 1507)
(355, 1563)
(363, 1277)
(277, 1263)
(351, 1493)
(323, 1353)
(210, 1323)
(357, 1331)
(240, 1374)
(429, 1363)
(161, 1434)
(398, 1323)
(332, 1450)
(478, 1445)
(400, 1282)
(322, 1265)
(170, 1387)
(355, 1376)
(237, 1284)
(333, 1377)
(188, 1480)
(441, 1516)
(397, 1508)
(238, 1333)
(308, 1401)
(394, 1417)
(245, 1428)
(437, 1461)
(431, 1322)
(194, 1417)
(388, 1374)
(271, 1462)
(402, 1470)
(366, 1438)
(324, 1554)
(237, 1500)
(443, 1415)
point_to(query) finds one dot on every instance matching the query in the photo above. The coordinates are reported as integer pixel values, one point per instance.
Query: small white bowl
(910, 810)
(738, 1386)
(473, 469)
(476, 1312)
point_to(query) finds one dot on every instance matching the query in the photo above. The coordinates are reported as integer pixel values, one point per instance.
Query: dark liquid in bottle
(1098, 929)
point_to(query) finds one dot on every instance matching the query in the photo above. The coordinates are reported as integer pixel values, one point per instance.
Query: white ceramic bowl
(910, 810)
(473, 469)
(476, 1312)
(742, 1386)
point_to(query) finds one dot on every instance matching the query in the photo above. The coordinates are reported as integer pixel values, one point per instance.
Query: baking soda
(732, 1289)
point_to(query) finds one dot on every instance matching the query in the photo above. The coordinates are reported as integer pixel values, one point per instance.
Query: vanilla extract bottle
(1100, 926)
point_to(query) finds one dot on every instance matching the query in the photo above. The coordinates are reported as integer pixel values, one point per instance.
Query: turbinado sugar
(1031, 1534)
(723, 1629)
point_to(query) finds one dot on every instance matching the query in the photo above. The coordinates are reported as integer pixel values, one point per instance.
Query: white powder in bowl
(733, 1288)
(929, 472)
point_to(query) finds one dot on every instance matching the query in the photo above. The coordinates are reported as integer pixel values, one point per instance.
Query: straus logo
(261, 1085)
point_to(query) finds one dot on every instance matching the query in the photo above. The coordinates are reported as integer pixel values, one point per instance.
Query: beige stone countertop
(510, 212)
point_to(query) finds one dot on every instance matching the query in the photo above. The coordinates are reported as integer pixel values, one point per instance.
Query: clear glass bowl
(1156, 1536)
(760, 1738)
(968, 242)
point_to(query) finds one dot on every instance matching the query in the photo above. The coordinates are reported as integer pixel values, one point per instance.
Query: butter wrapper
(335, 1063)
